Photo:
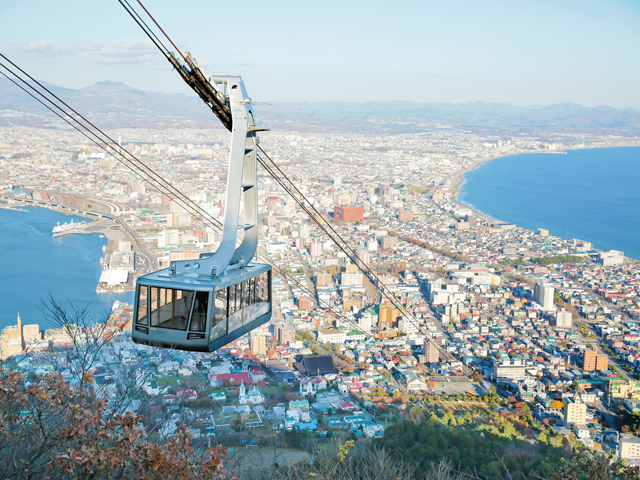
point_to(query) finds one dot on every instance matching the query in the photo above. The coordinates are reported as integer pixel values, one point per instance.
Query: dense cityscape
(463, 311)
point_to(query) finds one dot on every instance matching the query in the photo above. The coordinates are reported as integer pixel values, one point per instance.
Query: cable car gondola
(204, 304)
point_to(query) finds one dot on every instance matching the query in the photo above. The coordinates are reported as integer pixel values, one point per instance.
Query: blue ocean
(33, 265)
(591, 194)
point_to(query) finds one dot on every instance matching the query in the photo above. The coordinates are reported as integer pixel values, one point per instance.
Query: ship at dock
(67, 228)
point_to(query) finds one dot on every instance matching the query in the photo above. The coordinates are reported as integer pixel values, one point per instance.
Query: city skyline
(462, 52)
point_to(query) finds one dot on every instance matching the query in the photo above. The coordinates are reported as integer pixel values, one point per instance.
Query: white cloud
(35, 48)
(440, 76)
(120, 51)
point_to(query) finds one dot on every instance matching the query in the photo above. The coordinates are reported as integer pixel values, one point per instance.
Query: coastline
(458, 180)
(457, 184)
(101, 223)
(67, 268)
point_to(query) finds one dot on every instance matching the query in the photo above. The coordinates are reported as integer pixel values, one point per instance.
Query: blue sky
(519, 52)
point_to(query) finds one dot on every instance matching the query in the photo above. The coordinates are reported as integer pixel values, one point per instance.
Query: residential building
(602, 362)
(543, 294)
(629, 447)
(387, 316)
(258, 344)
(591, 360)
(619, 389)
(286, 335)
(365, 321)
(315, 249)
(432, 352)
(331, 336)
(563, 319)
(407, 326)
(388, 242)
(575, 411)
(351, 279)
(11, 340)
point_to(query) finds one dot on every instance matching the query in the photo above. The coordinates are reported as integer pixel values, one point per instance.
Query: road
(145, 261)
(307, 275)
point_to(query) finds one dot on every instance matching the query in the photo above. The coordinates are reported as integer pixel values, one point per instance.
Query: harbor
(118, 261)
(66, 268)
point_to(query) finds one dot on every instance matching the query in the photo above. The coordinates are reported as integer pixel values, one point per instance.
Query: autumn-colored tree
(557, 404)
(51, 430)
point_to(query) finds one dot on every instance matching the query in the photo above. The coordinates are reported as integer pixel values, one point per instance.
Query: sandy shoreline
(457, 180)
(457, 183)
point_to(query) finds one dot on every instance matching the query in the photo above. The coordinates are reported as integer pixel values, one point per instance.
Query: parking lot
(457, 388)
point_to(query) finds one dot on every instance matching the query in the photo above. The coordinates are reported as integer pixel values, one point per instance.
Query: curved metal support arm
(241, 178)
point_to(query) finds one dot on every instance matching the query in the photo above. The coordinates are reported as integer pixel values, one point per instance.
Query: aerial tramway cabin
(191, 313)
(204, 304)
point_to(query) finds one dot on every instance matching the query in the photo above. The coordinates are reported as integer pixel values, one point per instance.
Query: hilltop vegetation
(486, 451)
(558, 259)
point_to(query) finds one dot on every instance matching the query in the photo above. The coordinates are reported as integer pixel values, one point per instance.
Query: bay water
(589, 194)
(33, 265)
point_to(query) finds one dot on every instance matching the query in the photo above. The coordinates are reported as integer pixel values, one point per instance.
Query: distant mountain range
(119, 105)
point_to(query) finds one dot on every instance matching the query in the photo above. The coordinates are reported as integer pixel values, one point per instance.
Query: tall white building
(365, 322)
(575, 411)
(563, 319)
(337, 179)
(407, 326)
(315, 249)
(304, 231)
(168, 237)
(543, 294)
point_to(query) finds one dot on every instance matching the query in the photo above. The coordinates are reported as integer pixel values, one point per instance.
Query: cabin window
(246, 290)
(267, 286)
(232, 299)
(239, 296)
(199, 316)
(142, 319)
(219, 323)
(170, 308)
(262, 288)
(252, 291)
(259, 288)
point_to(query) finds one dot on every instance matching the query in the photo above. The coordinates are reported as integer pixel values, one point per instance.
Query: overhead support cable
(106, 144)
(152, 36)
(163, 32)
(201, 86)
(292, 190)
